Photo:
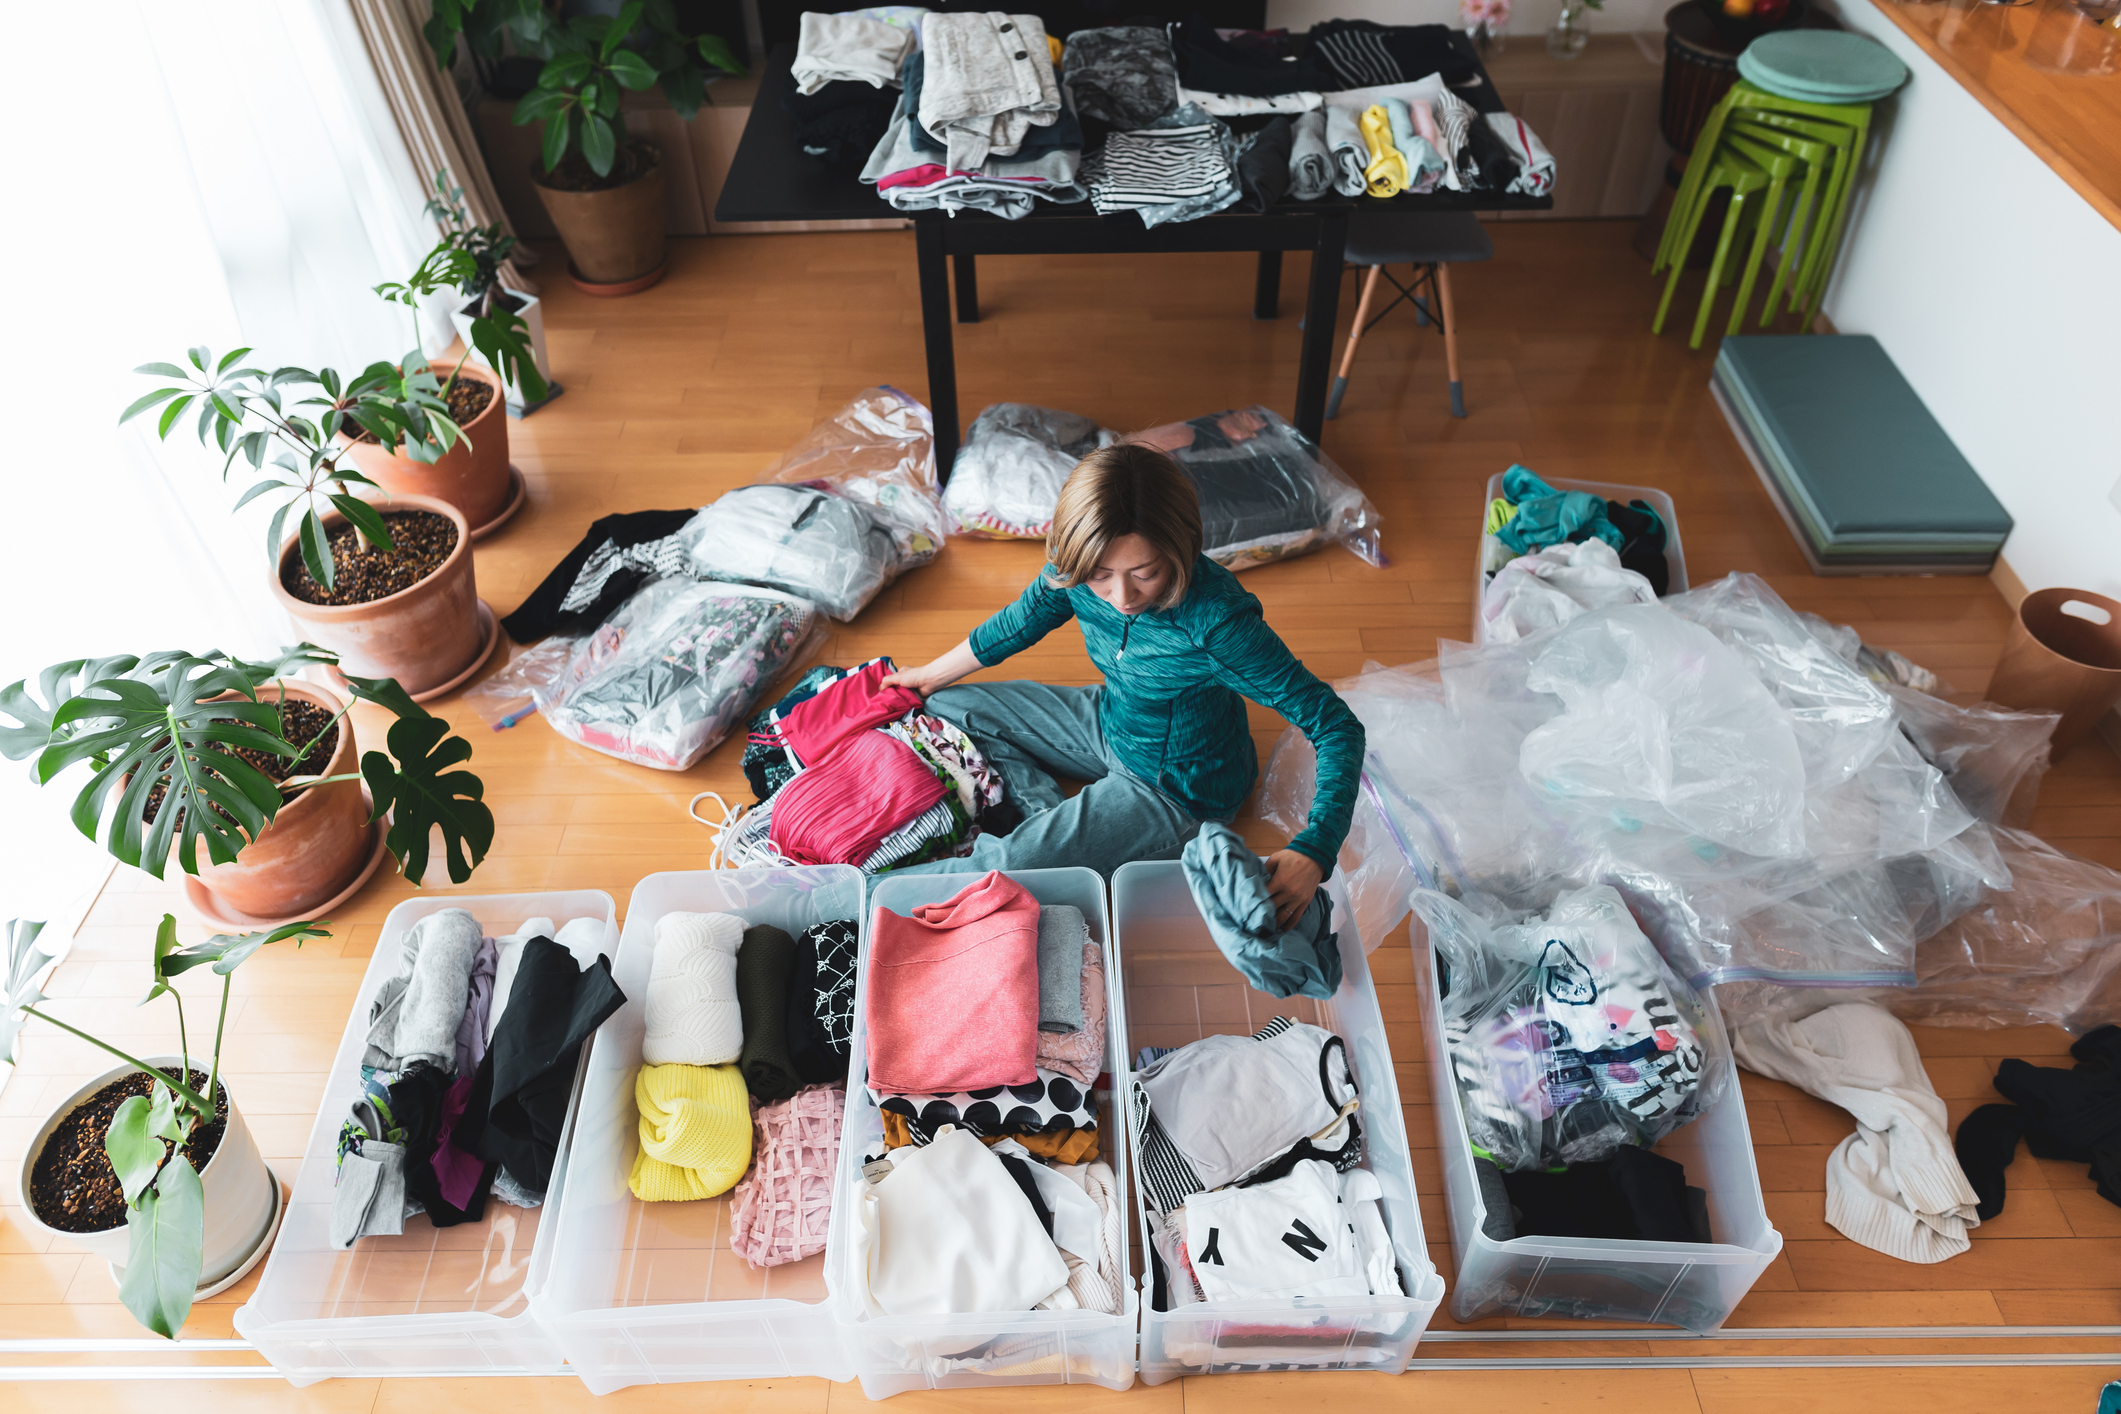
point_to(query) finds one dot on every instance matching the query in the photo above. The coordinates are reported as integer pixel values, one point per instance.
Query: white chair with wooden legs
(1431, 242)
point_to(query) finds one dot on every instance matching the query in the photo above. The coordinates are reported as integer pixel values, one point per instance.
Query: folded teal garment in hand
(1229, 884)
(1549, 517)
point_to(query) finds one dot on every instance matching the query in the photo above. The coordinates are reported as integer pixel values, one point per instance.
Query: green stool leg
(1688, 228)
(1731, 221)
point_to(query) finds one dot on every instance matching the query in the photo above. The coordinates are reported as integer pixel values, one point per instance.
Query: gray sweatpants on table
(1032, 732)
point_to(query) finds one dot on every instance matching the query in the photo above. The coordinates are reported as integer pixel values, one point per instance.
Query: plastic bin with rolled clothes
(1732, 772)
(857, 508)
(665, 678)
(1010, 468)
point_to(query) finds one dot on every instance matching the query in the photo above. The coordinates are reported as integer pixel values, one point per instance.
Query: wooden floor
(675, 396)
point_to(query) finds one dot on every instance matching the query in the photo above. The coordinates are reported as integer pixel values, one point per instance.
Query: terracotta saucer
(618, 288)
(216, 914)
(489, 626)
(519, 493)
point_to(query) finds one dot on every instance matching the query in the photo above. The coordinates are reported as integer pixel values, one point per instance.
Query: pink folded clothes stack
(952, 994)
(839, 810)
(813, 727)
(783, 1207)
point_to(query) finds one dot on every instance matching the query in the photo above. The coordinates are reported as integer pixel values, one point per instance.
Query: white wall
(1528, 18)
(1997, 290)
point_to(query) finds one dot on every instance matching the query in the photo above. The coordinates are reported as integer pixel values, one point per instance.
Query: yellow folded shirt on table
(695, 1132)
(1387, 172)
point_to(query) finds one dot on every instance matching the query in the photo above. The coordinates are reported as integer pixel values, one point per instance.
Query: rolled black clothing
(416, 1101)
(843, 121)
(2073, 1115)
(518, 1102)
(1208, 63)
(1635, 1196)
(1364, 54)
(1263, 165)
(626, 550)
(1643, 550)
(1486, 163)
(1986, 1143)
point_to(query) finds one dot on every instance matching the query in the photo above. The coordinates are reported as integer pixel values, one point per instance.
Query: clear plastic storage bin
(644, 1293)
(894, 1354)
(1690, 1284)
(1179, 988)
(1674, 555)
(432, 1301)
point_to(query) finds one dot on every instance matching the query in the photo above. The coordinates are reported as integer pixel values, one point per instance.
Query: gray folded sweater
(1061, 935)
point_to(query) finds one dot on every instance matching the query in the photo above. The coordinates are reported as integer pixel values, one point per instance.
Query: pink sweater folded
(953, 993)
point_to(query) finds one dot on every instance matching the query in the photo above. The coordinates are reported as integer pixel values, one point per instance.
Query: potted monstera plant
(386, 587)
(463, 458)
(149, 1165)
(602, 187)
(189, 751)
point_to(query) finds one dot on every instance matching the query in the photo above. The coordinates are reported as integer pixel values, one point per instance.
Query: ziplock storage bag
(663, 680)
(1268, 493)
(1009, 470)
(803, 540)
(1569, 1036)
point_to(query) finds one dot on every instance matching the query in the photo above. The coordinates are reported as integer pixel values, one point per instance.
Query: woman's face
(1131, 576)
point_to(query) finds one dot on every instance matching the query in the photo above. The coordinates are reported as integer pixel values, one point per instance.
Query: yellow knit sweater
(695, 1132)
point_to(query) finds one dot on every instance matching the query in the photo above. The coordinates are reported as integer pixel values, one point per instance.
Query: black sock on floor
(1986, 1144)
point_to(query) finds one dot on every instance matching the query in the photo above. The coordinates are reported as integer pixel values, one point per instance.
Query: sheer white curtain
(230, 177)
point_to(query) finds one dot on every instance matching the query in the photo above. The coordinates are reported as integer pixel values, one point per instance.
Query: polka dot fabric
(1051, 1103)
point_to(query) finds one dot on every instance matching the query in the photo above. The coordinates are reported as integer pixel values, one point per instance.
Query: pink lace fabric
(784, 1205)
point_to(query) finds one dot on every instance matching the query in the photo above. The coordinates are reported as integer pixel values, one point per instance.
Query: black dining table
(771, 179)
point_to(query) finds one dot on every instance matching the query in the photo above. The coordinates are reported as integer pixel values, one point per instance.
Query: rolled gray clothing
(1310, 161)
(1350, 153)
(370, 1198)
(435, 994)
(1061, 935)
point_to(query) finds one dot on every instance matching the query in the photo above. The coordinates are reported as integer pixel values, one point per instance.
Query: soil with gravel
(575, 174)
(300, 724)
(423, 540)
(72, 1186)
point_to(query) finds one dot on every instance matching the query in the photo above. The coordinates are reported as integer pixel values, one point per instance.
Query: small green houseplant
(505, 327)
(162, 733)
(147, 1136)
(603, 190)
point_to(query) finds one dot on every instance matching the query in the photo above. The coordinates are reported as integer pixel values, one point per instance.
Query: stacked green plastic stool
(1785, 142)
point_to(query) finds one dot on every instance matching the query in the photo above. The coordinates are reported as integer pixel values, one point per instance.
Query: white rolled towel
(693, 1016)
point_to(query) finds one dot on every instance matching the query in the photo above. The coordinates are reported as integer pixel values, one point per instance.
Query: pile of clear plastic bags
(847, 510)
(1569, 1036)
(662, 680)
(1768, 810)
(1009, 469)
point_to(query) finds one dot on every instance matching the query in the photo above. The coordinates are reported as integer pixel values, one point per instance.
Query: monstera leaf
(24, 961)
(423, 796)
(166, 730)
(55, 685)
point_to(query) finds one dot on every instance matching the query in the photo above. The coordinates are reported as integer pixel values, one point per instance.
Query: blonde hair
(1126, 489)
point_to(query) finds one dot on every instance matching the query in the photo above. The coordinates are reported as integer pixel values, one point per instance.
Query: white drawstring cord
(731, 848)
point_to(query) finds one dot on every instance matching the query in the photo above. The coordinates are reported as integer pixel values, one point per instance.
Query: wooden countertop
(2051, 74)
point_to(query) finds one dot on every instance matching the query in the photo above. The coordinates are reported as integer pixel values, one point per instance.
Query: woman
(1164, 744)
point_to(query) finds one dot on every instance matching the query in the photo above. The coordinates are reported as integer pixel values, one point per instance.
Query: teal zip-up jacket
(1175, 680)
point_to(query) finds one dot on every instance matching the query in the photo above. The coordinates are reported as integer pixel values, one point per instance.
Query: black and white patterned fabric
(1051, 1104)
(836, 946)
(650, 560)
(1167, 1180)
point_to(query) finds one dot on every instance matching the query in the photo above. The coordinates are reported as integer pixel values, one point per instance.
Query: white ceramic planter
(532, 313)
(242, 1197)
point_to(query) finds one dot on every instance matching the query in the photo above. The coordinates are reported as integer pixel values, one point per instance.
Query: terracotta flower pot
(241, 1193)
(315, 846)
(424, 636)
(472, 475)
(613, 236)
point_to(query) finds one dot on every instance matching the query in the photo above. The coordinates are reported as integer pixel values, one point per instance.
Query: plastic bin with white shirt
(894, 1354)
(1179, 988)
(1690, 1284)
(1674, 555)
(645, 1293)
(431, 1301)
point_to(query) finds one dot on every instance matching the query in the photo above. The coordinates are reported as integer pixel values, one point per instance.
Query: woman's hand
(1292, 878)
(934, 677)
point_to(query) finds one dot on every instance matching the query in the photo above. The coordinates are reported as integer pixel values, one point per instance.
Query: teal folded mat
(1859, 456)
(1823, 62)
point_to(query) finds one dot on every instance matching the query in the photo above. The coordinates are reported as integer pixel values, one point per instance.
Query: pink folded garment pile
(783, 1207)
